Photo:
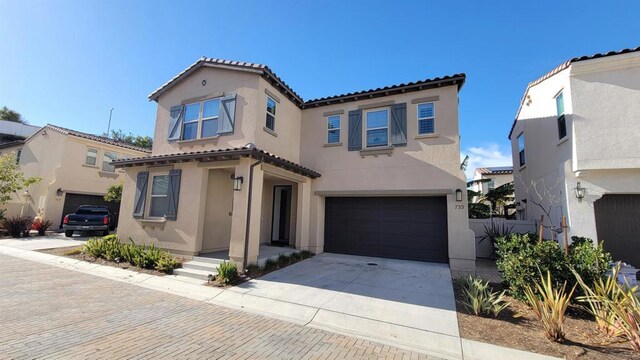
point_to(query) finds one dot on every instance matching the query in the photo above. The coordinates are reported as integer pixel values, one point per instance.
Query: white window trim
(339, 128)
(103, 160)
(266, 108)
(426, 118)
(96, 157)
(151, 196)
(200, 118)
(366, 129)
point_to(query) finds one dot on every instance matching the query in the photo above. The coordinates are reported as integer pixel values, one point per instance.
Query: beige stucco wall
(218, 82)
(426, 166)
(602, 102)
(60, 161)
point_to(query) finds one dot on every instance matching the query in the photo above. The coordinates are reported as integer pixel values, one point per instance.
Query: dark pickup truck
(88, 218)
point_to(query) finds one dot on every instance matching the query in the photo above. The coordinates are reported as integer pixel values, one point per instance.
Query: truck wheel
(105, 233)
(68, 233)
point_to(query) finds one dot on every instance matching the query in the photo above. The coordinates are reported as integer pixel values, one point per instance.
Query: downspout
(248, 226)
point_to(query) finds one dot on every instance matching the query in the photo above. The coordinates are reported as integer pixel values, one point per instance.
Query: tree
(12, 179)
(114, 193)
(500, 196)
(11, 115)
(145, 142)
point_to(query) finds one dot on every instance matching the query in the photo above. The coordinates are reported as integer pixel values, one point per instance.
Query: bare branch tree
(544, 197)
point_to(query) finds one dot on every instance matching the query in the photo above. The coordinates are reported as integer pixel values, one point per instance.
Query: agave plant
(549, 305)
(480, 299)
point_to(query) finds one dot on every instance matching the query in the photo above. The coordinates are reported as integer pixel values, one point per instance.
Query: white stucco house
(576, 150)
(486, 179)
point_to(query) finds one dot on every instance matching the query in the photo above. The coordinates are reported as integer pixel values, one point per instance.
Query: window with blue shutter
(141, 194)
(333, 129)
(355, 130)
(175, 123)
(399, 124)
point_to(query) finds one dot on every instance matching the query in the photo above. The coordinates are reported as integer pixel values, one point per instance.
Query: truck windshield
(92, 211)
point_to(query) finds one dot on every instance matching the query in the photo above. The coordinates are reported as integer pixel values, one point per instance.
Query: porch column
(303, 215)
(239, 219)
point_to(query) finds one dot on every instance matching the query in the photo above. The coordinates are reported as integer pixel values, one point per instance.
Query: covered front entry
(409, 228)
(618, 227)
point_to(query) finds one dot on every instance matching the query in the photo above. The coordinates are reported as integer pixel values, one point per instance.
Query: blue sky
(70, 62)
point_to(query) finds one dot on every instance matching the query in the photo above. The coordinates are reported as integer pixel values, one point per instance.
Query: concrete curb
(445, 346)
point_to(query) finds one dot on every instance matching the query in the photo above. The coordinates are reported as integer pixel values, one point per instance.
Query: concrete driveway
(405, 302)
(50, 241)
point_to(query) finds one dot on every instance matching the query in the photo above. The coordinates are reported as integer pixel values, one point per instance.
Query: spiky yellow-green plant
(616, 307)
(549, 305)
(480, 299)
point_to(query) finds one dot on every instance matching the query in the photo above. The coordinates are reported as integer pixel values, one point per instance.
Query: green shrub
(306, 254)
(521, 258)
(270, 265)
(142, 256)
(227, 272)
(590, 262)
(41, 226)
(283, 260)
(549, 303)
(254, 270)
(480, 299)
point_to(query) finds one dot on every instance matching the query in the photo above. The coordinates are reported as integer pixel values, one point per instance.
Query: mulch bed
(517, 328)
(99, 261)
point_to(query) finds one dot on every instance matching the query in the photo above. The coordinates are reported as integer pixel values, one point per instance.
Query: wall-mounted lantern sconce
(237, 182)
(59, 192)
(580, 191)
(458, 195)
(25, 196)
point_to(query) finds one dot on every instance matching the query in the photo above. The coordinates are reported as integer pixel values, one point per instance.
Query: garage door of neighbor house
(72, 201)
(618, 225)
(409, 228)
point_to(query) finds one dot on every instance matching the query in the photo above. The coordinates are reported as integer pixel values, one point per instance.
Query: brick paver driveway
(48, 312)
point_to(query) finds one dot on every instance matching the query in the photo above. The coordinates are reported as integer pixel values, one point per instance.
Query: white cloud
(482, 156)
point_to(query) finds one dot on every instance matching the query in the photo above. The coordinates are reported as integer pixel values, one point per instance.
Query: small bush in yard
(306, 254)
(142, 256)
(41, 226)
(480, 299)
(549, 304)
(253, 270)
(227, 272)
(17, 226)
(590, 262)
(72, 252)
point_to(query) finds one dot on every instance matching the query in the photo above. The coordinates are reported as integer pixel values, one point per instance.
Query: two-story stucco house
(576, 145)
(75, 168)
(240, 160)
(486, 179)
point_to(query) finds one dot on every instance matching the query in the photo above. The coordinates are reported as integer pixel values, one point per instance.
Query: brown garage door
(73, 201)
(618, 225)
(410, 228)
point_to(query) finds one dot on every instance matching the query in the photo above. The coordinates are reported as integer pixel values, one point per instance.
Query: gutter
(248, 221)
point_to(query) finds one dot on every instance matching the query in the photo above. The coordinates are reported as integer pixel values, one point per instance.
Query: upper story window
(426, 118)
(159, 191)
(333, 129)
(107, 158)
(377, 125)
(18, 155)
(271, 114)
(521, 149)
(203, 119)
(491, 184)
(92, 157)
(562, 124)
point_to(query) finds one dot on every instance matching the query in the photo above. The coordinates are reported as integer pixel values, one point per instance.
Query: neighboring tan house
(576, 146)
(240, 160)
(488, 178)
(75, 168)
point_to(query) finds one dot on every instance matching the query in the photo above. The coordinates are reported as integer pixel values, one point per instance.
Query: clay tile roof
(495, 170)
(278, 83)
(561, 67)
(219, 155)
(260, 69)
(457, 79)
(101, 139)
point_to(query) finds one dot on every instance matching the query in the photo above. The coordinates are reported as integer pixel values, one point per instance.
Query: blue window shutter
(173, 194)
(226, 122)
(176, 116)
(355, 130)
(141, 194)
(399, 124)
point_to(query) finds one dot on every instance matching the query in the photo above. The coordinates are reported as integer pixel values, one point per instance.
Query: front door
(281, 219)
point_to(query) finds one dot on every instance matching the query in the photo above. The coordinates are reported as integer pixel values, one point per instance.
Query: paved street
(48, 312)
